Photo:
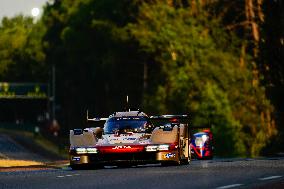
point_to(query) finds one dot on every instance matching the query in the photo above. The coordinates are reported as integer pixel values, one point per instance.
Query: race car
(202, 144)
(130, 138)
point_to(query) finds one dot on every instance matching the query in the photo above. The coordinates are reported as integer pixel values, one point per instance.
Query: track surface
(217, 173)
(11, 149)
(220, 173)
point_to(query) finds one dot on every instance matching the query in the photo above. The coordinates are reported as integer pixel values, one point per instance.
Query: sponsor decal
(113, 139)
(76, 158)
(170, 155)
(121, 147)
(130, 139)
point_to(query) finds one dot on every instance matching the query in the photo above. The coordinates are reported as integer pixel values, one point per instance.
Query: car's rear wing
(165, 117)
(180, 119)
(172, 122)
(162, 120)
(96, 118)
(171, 118)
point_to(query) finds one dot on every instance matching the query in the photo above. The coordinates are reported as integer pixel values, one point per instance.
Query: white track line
(269, 178)
(62, 176)
(229, 186)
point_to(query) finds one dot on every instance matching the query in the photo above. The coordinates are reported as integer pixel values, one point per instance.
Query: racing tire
(170, 163)
(124, 165)
(177, 163)
(76, 167)
(166, 164)
(98, 166)
(185, 161)
(208, 158)
(86, 167)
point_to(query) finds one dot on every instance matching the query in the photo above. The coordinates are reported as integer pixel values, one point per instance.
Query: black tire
(209, 158)
(166, 164)
(97, 166)
(86, 166)
(185, 161)
(76, 167)
(124, 165)
(170, 163)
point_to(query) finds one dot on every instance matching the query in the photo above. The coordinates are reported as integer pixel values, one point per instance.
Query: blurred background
(219, 61)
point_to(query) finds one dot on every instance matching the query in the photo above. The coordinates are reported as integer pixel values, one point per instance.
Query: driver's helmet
(168, 125)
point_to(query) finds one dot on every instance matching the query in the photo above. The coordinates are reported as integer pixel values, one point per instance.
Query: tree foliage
(21, 54)
(94, 59)
(202, 77)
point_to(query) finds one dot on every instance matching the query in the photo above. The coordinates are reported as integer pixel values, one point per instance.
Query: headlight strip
(88, 150)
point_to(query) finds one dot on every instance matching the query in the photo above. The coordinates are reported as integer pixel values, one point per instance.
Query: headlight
(81, 150)
(86, 150)
(163, 147)
(92, 150)
(154, 148)
(151, 148)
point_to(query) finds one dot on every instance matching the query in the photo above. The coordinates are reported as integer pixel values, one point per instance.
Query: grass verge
(18, 163)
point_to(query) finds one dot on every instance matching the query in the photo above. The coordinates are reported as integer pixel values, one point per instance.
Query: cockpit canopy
(131, 124)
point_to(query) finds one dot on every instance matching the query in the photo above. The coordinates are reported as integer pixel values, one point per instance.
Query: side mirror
(98, 132)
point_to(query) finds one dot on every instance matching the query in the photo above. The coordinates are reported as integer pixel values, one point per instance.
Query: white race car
(130, 138)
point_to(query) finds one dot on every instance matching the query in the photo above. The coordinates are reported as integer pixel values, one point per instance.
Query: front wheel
(185, 161)
(125, 165)
(76, 167)
(86, 166)
(170, 163)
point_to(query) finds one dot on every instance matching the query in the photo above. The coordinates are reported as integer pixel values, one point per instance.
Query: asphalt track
(218, 173)
(11, 149)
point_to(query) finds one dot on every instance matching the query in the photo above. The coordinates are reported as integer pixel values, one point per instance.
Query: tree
(21, 55)
(95, 61)
(259, 25)
(195, 72)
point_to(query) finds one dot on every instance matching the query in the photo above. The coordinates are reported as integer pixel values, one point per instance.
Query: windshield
(122, 125)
